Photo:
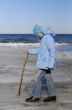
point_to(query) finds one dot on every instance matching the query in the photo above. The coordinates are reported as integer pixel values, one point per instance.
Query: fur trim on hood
(50, 31)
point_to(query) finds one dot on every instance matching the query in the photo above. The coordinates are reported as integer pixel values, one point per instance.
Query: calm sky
(19, 16)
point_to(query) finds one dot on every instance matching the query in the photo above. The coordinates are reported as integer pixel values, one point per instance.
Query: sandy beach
(11, 63)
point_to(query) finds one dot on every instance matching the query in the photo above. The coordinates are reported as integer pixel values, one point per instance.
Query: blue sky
(19, 16)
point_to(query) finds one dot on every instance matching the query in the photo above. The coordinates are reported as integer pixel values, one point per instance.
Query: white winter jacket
(46, 52)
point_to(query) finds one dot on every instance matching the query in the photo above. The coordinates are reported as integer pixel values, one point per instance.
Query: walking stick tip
(17, 95)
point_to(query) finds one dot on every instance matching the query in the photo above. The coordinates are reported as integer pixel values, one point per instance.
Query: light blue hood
(50, 31)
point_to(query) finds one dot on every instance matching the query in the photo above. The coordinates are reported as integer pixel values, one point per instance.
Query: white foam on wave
(15, 45)
(59, 44)
(18, 44)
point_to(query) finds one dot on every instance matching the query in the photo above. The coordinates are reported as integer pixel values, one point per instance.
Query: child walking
(45, 63)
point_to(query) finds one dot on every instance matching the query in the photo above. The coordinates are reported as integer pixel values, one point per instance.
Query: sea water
(63, 41)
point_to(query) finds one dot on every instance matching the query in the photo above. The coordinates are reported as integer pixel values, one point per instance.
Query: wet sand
(11, 63)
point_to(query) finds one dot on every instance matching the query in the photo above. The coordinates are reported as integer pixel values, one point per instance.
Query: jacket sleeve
(50, 43)
(33, 51)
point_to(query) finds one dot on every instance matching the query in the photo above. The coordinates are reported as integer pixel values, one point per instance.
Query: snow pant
(43, 78)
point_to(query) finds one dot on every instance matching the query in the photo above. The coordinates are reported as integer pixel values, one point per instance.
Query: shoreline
(12, 59)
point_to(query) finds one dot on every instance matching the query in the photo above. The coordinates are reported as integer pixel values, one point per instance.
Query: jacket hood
(50, 31)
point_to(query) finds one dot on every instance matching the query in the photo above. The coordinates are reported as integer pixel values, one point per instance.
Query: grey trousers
(37, 88)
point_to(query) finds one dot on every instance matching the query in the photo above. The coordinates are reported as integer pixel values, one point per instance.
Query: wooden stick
(23, 69)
